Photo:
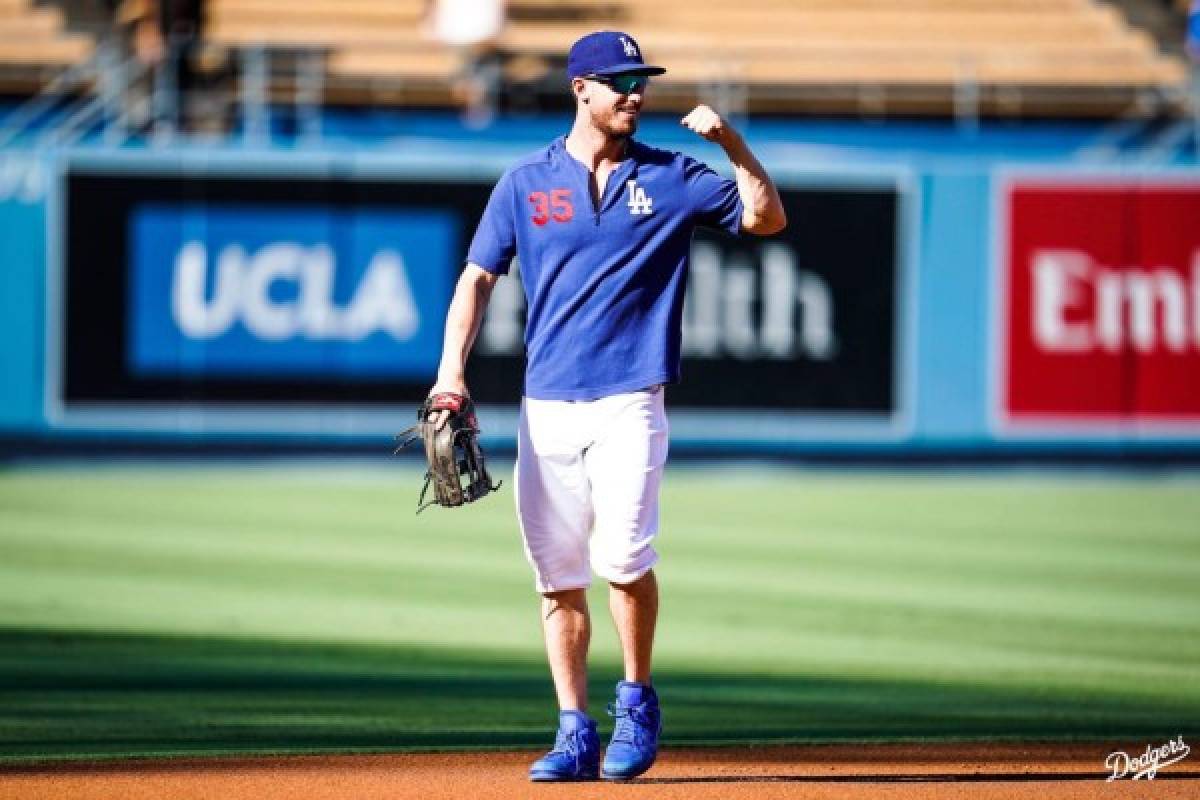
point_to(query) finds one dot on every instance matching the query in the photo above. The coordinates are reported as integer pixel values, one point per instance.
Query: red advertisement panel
(1102, 304)
(1165, 328)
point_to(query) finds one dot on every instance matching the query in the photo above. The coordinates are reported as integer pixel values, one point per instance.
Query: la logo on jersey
(639, 202)
(630, 48)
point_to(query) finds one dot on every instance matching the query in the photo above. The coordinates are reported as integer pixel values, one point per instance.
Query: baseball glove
(456, 467)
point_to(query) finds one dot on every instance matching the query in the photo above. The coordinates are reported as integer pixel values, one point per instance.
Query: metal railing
(104, 95)
(83, 95)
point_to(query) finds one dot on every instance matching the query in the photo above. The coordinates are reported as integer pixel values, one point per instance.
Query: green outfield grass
(209, 610)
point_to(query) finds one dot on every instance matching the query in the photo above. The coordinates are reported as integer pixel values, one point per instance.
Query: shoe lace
(570, 743)
(630, 722)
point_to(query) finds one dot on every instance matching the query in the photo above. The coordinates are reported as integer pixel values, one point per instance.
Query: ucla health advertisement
(223, 288)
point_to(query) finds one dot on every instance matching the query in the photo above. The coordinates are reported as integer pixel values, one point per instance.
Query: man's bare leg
(634, 608)
(567, 628)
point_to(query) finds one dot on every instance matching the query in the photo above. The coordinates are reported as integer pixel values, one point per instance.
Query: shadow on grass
(80, 695)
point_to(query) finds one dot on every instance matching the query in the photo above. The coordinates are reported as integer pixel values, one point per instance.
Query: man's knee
(569, 600)
(633, 584)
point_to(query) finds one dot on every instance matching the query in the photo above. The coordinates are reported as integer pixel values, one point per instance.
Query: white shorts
(587, 478)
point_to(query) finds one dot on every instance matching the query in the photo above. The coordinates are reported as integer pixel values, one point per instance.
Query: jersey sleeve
(714, 200)
(495, 241)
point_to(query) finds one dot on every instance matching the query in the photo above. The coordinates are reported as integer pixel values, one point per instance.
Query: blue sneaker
(634, 744)
(576, 753)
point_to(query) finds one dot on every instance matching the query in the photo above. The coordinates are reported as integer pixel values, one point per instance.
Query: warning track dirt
(901, 771)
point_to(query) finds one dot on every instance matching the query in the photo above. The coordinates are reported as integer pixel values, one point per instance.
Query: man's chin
(626, 127)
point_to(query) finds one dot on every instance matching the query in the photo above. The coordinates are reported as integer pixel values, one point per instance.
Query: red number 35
(555, 206)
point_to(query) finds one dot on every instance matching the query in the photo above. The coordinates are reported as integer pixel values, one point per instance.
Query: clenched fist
(707, 123)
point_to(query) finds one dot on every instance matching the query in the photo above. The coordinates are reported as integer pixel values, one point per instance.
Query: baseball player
(602, 225)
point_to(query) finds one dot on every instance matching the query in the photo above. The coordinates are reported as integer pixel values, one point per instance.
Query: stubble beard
(614, 129)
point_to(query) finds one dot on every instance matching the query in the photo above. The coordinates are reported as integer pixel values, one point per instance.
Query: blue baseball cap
(608, 53)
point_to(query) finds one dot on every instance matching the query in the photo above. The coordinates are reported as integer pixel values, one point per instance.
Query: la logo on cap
(630, 48)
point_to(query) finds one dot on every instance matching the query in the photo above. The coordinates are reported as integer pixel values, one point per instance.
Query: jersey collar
(559, 155)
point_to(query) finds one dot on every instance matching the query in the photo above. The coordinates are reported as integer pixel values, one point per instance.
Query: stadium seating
(1015, 56)
(1072, 56)
(34, 45)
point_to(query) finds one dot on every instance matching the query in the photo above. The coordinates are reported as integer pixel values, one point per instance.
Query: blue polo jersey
(604, 282)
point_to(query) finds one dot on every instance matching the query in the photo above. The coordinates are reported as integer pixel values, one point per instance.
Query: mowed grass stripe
(157, 604)
(920, 546)
(192, 545)
(888, 646)
(273, 510)
(984, 590)
(962, 510)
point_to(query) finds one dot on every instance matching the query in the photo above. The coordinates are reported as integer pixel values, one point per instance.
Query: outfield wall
(913, 306)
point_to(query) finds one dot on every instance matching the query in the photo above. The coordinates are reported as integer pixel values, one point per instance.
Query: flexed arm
(762, 210)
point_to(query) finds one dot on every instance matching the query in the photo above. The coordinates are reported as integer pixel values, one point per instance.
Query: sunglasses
(622, 84)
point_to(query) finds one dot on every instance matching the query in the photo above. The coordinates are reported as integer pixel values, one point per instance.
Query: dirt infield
(843, 771)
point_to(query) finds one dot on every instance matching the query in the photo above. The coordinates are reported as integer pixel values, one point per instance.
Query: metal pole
(1192, 44)
(108, 63)
(966, 97)
(255, 123)
(165, 101)
(310, 86)
(1195, 108)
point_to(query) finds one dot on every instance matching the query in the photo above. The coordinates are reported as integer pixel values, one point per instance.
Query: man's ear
(579, 87)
